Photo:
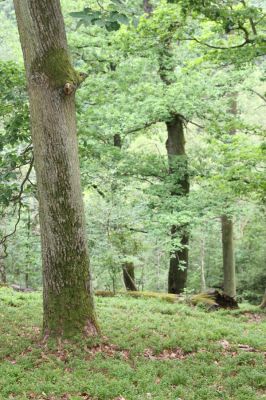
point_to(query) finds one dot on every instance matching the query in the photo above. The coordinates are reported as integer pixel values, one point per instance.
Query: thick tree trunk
(228, 256)
(68, 302)
(177, 159)
(129, 276)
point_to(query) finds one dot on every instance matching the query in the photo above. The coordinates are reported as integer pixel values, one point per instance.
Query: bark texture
(148, 8)
(202, 265)
(3, 255)
(177, 160)
(52, 81)
(3, 278)
(228, 256)
(263, 303)
(128, 268)
(129, 277)
(227, 232)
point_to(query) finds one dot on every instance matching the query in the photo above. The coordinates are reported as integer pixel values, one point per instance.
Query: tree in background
(52, 82)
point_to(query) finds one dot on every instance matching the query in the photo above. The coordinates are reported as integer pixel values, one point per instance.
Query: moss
(170, 298)
(56, 65)
(70, 313)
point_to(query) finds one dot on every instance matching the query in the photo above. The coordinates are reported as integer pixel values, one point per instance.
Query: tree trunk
(202, 265)
(227, 233)
(263, 303)
(3, 256)
(148, 8)
(52, 81)
(117, 141)
(177, 160)
(129, 277)
(3, 278)
(128, 268)
(228, 256)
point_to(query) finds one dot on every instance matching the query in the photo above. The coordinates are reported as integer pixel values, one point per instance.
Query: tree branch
(18, 199)
(258, 94)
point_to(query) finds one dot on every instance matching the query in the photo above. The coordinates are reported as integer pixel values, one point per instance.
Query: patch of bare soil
(228, 348)
(257, 318)
(167, 354)
(109, 350)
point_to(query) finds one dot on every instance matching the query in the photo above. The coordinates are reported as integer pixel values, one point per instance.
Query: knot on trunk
(69, 88)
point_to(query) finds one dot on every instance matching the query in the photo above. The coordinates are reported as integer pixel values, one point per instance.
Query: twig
(258, 94)
(18, 197)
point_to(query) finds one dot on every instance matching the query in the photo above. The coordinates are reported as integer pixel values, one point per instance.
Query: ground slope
(150, 349)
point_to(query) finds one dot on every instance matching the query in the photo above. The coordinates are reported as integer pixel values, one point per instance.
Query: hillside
(149, 349)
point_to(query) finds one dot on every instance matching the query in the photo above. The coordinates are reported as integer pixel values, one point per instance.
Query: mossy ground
(150, 349)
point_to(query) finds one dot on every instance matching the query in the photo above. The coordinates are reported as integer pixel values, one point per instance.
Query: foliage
(209, 52)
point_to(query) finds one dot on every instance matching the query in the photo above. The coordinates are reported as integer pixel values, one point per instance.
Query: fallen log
(215, 299)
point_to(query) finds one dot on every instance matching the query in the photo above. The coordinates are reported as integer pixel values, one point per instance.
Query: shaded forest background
(141, 71)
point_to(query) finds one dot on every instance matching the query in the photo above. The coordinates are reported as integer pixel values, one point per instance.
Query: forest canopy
(171, 135)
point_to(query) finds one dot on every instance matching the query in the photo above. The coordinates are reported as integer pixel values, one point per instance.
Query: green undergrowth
(149, 350)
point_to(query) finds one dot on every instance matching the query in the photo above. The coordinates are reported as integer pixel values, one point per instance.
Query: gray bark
(68, 302)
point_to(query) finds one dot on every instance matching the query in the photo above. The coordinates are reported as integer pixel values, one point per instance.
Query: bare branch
(258, 94)
(18, 199)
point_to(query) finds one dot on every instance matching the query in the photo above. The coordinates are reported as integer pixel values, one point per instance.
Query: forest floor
(150, 349)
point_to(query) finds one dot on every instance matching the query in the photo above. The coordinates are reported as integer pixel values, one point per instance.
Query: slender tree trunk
(228, 256)
(148, 8)
(228, 234)
(202, 266)
(129, 276)
(68, 301)
(128, 268)
(263, 303)
(117, 141)
(177, 160)
(26, 280)
(3, 278)
(3, 255)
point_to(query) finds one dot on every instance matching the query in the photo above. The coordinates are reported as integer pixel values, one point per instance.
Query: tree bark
(128, 268)
(52, 81)
(129, 276)
(3, 255)
(202, 265)
(177, 160)
(148, 8)
(228, 234)
(3, 278)
(228, 256)
(117, 141)
(263, 303)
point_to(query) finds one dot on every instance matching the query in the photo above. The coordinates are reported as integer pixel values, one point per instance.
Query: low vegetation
(149, 349)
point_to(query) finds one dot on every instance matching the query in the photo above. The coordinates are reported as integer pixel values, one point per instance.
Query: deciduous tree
(52, 82)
